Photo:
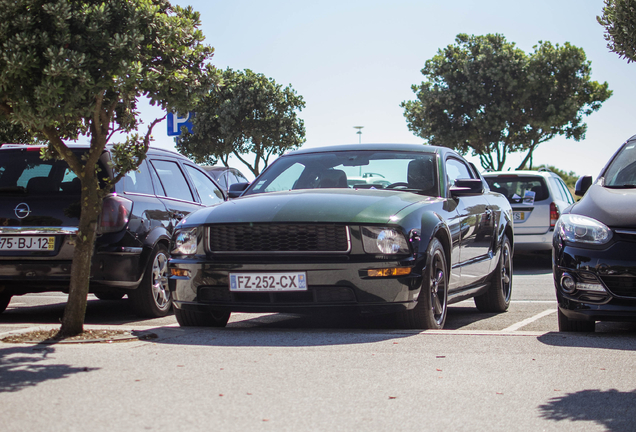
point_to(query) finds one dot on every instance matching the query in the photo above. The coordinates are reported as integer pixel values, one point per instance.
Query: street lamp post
(359, 133)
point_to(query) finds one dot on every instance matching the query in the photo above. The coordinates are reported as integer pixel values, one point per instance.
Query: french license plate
(27, 243)
(518, 216)
(292, 281)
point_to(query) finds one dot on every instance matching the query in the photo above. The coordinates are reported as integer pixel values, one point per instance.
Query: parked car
(594, 262)
(225, 176)
(538, 198)
(302, 239)
(39, 217)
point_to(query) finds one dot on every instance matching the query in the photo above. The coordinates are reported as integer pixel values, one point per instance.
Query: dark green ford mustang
(400, 229)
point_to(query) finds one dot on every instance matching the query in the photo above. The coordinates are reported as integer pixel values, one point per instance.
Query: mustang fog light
(568, 284)
(397, 271)
(185, 242)
(387, 241)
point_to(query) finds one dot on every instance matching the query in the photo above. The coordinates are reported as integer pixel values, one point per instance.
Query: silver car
(537, 198)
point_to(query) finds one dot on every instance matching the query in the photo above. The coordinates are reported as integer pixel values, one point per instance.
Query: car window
(207, 190)
(556, 187)
(456, 169)
(514, 186)
(139, 181)
(26, 172)
(566, 192)
(240, 178)
(621, 171)
(172, 179)
(356, 169)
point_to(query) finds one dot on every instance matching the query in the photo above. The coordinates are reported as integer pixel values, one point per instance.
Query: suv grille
(295, 238)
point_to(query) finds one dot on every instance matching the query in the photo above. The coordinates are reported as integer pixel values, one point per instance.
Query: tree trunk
(91, 205)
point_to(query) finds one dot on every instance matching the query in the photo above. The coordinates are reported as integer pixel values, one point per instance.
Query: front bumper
(330, 285)
(612, 273)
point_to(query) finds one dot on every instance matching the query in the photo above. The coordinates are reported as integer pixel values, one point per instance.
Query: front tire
(187, 318)
(497, 298)
(568, 325)
(152, 297)
(430, 311)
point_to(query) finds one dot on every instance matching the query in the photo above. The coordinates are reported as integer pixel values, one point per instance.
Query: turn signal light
(179, 272)
(397, 271)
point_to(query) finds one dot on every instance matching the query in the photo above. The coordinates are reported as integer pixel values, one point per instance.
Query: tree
(485, 96)
(73, 68)
(13, 133)
(619, 20)
(249, 113)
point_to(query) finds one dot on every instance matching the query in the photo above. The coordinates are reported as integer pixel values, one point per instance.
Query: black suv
(39, 216)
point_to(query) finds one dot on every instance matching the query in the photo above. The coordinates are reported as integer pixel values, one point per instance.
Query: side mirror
(467, 187)
(582, 185)
(237, 189)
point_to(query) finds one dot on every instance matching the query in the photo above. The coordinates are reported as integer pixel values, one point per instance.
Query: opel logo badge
(22, 210)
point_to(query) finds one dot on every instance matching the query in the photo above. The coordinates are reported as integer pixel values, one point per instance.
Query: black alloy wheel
(152, 297)
(497, 298)
(430, 311)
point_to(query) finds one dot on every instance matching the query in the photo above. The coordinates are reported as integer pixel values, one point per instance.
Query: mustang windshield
(622, 171)
(351, 169)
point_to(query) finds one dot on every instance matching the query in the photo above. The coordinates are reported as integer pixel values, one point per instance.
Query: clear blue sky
(355, 61)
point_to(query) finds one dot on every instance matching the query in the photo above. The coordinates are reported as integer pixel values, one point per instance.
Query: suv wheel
(152, 297)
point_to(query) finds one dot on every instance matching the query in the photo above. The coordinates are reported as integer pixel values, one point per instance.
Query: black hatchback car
(39, 216)
(594, 248)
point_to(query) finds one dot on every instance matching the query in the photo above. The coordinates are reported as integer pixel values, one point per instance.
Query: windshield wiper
(13, 189)
(624, 186)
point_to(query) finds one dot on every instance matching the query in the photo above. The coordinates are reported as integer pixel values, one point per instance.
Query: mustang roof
(376, 147)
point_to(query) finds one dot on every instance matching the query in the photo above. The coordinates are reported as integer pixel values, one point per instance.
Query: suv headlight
(387, 241)
(185, 242)
(582, 229)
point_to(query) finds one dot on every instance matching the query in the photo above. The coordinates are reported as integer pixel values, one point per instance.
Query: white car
(537, 198)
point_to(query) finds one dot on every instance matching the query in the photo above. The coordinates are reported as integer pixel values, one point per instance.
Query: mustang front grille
(278, 238)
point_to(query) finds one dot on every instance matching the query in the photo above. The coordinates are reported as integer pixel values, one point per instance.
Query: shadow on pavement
(110, 312)
(613, 409)
(614, 341)
(21, 367)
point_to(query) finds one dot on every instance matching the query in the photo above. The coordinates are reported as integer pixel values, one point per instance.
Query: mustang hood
(315, 205)
(613, 207)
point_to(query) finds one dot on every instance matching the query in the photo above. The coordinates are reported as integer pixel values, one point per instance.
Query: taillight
(554, 214)
(115, 214)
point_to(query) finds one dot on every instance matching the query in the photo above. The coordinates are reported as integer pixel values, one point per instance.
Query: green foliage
(486, 97)
(16, 134)
(619, 20)
(248, 113)
(78, 67)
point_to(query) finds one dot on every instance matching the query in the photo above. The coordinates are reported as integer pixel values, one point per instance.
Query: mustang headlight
(582, 229)
(185, 242)
(387, 241)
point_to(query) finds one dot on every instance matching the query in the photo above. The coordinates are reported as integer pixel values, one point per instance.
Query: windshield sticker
(528, 197)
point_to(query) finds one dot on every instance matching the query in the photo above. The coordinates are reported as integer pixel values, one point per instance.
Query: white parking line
(527, 321)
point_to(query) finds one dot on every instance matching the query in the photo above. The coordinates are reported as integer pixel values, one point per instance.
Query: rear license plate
(27, 243)
(518, 216)
(293, 281)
